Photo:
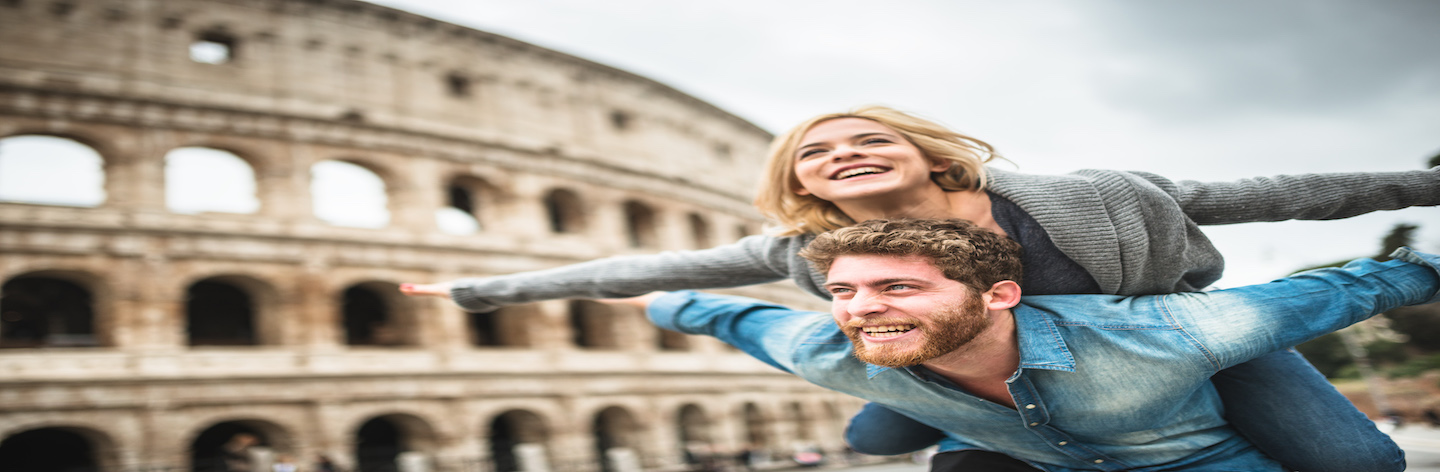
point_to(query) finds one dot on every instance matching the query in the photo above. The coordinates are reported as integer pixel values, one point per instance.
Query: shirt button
(1097, 461)
(1030, 406)
(1034, 424)
(1062, 443)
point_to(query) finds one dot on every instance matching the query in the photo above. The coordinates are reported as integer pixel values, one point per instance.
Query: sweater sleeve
(752, 260)
(1303, 197)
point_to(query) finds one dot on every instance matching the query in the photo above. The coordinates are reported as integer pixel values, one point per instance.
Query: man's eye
(840, 291)
(900, 287)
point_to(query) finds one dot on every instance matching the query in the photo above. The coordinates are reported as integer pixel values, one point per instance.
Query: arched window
(694, 435)
(616, 438)
(231, 445)
(49, 449)
(346, 194)
(756, 434)
(673, 340)
(699, 231)
(378, 445)
(565, 212)
(199, 179)
(467, 198)
(219, 314)
(383, 443)
(593, 325)
(518, 442)
(803, 425)
(505, 327)
(640, 225)
(371, 318)
(38, 311)
(50, 171)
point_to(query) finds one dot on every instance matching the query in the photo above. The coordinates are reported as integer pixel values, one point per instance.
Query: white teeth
(888, 329)
(858, 171)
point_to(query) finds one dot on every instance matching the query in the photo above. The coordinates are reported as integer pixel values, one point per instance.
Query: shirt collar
(1041, 345)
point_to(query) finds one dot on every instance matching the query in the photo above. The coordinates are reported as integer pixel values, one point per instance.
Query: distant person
(236, 452)
(1093, 231)
(927, 319)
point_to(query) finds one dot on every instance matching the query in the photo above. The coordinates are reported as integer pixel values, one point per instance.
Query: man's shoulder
(1097, 310)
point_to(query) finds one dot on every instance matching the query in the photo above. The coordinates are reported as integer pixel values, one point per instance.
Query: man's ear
(1003, 295)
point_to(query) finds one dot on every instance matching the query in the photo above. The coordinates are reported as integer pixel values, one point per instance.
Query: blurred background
(206, 205)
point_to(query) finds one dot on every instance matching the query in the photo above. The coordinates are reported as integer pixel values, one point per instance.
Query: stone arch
(199, 179)
(470, 202)
(641, 228)
(594, 325)
(347, 192)
(699, 230)
(565, 211)
(49, 308)
(802, 421)
(669, 340)
(381, 440)
(617, 439)
(231, 310)
(693, 434)
(508, 326)
(756, 432)
(58, 448)
(238, 438)
(74, 173)
(373, 313)
(519, 441)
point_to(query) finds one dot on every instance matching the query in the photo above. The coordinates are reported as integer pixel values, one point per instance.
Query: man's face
(902, 311)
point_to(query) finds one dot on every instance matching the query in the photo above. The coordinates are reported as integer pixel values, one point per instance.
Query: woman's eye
(876, 141)
(810, 152)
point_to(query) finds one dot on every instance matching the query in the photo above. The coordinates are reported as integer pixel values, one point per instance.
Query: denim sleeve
(765, 331)
(1236, 325)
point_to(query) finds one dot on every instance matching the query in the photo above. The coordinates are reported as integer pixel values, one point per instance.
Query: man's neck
(982, 365)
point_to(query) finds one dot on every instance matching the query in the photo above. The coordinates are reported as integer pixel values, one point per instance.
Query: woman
(1088, 232)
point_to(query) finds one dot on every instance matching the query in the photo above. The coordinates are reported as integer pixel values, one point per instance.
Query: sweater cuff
(462, 295)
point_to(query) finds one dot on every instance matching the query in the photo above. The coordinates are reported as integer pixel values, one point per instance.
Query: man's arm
(764, 330)
(1236, 325)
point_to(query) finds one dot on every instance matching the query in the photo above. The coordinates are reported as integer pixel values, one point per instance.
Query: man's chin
(890, 356)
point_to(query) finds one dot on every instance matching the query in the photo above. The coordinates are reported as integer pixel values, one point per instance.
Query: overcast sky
(1215, 90)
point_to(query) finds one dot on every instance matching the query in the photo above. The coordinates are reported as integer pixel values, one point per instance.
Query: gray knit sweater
(1135, 233)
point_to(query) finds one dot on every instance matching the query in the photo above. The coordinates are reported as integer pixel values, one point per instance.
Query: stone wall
(428, 107)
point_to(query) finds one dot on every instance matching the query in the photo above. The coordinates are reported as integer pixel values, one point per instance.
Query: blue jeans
(1278, 401)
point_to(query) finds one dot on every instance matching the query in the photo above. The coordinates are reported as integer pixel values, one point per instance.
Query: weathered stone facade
(559, 160)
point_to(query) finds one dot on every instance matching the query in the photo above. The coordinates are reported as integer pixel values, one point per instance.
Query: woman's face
(853, 159)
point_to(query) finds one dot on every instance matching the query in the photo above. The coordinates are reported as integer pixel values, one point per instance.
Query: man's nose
(865, 304)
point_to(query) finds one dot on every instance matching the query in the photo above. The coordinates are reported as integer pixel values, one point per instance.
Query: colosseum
(147, 326)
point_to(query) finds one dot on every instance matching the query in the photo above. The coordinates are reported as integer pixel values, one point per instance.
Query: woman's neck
(972, 205)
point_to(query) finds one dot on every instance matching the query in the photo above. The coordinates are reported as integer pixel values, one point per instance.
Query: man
(927, 320)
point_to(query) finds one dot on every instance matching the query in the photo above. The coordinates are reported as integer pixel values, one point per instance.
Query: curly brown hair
(969, 254)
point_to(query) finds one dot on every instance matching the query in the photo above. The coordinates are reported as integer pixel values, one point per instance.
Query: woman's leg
(1284, 406)
(880, 431)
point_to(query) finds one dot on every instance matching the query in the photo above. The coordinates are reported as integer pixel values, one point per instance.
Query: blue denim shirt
(1105, 382)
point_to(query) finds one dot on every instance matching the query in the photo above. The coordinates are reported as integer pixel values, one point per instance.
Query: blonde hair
(800, 214)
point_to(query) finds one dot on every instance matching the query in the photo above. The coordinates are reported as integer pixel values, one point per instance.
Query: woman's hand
(427, 290)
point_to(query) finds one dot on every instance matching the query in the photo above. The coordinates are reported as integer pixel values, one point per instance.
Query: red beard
(943, 331)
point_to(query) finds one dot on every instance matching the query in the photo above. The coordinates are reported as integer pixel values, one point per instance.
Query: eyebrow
(876, 282)
(858, 136)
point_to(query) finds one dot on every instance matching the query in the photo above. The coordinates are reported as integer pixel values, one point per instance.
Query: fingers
(426, 290)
